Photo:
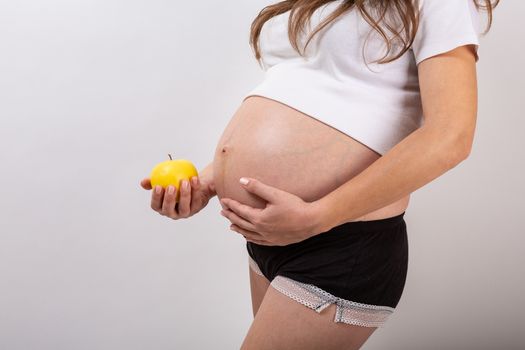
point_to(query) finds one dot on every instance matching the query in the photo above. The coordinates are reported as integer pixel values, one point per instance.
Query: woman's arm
(206, 176)
(448, 87)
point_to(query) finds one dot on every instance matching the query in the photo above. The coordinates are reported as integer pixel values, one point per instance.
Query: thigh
(282, 323)
(258, 287)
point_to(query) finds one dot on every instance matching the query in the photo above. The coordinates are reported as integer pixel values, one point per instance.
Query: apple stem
(169, 155)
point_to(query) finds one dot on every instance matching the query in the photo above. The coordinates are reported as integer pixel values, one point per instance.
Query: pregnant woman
(362, 103)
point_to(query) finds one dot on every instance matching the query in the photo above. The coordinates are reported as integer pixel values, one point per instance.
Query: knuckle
(170, 211)
(169, 201)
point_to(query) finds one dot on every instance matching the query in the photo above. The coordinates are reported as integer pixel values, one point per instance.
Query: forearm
(418, 159)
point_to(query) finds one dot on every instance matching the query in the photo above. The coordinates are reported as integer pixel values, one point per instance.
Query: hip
(363, 261)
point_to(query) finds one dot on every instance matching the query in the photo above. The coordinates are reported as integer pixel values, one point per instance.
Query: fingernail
(157, 189)
(186, 184)
(170, 190)
(243, 180)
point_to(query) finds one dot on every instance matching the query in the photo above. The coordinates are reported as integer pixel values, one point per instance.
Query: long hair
(403, 11)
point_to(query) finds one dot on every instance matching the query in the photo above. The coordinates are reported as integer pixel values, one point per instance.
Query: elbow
(457, 149)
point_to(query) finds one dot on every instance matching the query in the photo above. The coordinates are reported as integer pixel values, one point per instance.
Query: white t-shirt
(376, 104)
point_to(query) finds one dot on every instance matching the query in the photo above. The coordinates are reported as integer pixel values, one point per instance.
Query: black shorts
(361, 266)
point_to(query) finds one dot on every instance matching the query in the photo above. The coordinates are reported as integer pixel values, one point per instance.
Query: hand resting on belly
(289, 150)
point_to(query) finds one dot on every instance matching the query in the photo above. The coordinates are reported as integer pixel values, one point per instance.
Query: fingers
(266, 192)
(146, 183)
(157, 196)
(164, 201)
(249, 235)
(196, 197)
(251, 214)
(168, 205)
(185, 199)
(237, 220)
(195, 183)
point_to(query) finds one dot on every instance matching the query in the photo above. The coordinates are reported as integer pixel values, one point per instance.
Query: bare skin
(289, 150)
(299, 326)
(448, 89)
(193, 197)
(258, 286)
(281, 323)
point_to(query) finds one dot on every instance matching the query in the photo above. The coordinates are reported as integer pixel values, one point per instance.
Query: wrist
(210, 185)
(206, 179)
(320, 217)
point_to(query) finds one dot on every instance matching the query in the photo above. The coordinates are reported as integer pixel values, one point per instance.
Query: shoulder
(445, 25)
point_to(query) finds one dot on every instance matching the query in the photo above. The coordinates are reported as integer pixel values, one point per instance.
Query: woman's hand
(286, 219)
(192, 199)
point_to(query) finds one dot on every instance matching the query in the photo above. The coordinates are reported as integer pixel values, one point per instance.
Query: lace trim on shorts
(254, 266)
(350, 312)
(315, 298)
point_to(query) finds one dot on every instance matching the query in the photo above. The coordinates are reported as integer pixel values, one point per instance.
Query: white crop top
(376, 104)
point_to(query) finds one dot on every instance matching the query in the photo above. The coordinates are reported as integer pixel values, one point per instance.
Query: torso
(287, 149)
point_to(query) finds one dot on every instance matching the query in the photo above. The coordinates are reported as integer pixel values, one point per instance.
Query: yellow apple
(172, 172)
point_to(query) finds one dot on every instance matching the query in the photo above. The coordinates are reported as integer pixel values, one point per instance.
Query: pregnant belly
(287, 149)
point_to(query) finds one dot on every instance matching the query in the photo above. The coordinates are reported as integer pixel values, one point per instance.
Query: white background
(94, 93)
